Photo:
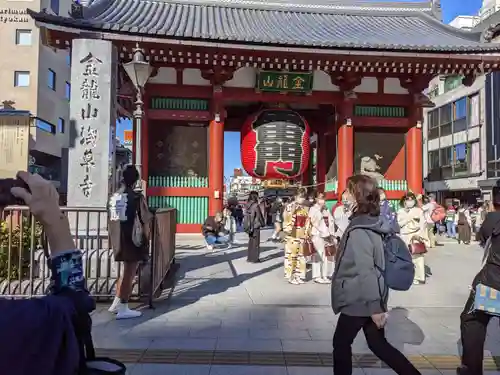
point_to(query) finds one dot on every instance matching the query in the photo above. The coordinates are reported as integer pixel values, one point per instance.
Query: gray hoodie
(358, 287)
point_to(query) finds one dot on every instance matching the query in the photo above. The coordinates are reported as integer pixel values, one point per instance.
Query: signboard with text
(284, 81)
(128, 137)
(14, 143)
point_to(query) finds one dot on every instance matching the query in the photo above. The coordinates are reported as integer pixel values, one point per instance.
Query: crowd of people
(355, 237)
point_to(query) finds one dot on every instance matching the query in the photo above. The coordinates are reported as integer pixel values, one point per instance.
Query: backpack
(399, 270)
(438, 214)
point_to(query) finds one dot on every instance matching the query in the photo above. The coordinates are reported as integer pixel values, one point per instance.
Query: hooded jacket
(490, 273)
(358, 287)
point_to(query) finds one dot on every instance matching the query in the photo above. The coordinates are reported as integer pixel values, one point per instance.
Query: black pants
(345, 333)
(254, 246)
(473, 327)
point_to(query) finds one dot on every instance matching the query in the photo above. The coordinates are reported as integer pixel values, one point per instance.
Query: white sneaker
(210, 247)
(114, 306)
(125, 313)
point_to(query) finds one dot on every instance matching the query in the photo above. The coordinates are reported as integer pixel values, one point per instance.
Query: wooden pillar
(216, 166)
(321, 160)
(414, 155)
(345, 145)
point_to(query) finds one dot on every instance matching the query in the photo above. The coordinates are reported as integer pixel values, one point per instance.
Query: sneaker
(294, 281)
(114, 306)
(125, 313)
(210, 247)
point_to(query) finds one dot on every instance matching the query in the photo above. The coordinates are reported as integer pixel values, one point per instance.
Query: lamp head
(138, 69)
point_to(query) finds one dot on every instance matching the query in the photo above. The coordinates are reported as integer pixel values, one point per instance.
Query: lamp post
(139, 71)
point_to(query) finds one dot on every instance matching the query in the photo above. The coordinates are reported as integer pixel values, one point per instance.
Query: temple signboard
(273, 81)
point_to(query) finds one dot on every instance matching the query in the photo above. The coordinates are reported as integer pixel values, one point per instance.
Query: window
(433, 122)
(474, 117)
(445, 114)
(452, 82)
(460, 115)
(60, 125)
(23, 37)
(51, 80)
(459, 160)
(54, 5)
(44, 125)
(21, 79)
(68, 91)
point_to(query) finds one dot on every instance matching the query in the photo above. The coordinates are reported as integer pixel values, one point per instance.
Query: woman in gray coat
(359, 292)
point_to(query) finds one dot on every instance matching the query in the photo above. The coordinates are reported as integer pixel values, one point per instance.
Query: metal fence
(23, 266)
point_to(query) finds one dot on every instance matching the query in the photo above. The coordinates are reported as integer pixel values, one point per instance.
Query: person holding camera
(38, 335)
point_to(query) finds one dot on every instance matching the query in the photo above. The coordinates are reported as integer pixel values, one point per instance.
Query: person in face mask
(341, 215)
(412, 226)
(386, 211)
(295, 228)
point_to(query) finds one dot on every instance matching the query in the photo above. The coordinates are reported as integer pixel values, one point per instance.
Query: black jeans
(473, 328)
(254, 246)
(345, 333)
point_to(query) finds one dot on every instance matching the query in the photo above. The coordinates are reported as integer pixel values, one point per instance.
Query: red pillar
(321, 157)
(414, 155)
(216, 167)
(345, 144)
(305, 178)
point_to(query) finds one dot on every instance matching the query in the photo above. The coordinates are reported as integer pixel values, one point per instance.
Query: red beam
(386, 122)
(180, 91)
(166, 114)
(177, 192)
(190, 228)
(390, 194)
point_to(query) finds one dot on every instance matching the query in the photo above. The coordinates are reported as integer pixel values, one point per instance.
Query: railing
(23, 267)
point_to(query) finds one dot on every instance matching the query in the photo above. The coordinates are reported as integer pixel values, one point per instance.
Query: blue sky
(451, 9)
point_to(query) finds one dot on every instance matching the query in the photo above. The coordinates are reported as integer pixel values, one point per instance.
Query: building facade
(216, 64)
(36, 78)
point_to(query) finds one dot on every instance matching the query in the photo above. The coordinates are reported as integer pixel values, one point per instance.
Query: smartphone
(6, 197)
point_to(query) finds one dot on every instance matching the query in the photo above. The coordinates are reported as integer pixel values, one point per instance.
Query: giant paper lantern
(275, 144)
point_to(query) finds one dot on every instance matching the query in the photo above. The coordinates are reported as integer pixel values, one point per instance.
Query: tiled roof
(308, 23)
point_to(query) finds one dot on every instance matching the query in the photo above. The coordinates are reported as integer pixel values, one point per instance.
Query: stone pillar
(93, 128)
(414, 171)
(145, 144)
(216, 166)
(345, 144)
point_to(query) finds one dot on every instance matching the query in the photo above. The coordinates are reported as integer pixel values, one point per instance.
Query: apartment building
(36, 78)
(461, 134)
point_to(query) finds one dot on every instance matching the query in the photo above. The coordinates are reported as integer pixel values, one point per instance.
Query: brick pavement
(226, 316)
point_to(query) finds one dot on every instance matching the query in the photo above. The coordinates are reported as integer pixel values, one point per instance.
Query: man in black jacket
(212, 230)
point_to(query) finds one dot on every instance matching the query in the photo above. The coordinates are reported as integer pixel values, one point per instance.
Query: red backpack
(438, 213)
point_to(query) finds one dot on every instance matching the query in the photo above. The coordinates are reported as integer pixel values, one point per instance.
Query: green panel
(331, 203)
(180, 104)
(379, 111)
(331, 186)
(452, 82)
(394, 204)
(390, 185)
(177, 181)
(284, 81)
(190, 210)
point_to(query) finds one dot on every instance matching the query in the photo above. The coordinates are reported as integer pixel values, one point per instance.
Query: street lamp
(139, 71)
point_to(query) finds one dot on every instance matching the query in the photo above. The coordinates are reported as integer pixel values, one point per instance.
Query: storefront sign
(14, 140)
(128, 137)
(284, 81)
(9, 15)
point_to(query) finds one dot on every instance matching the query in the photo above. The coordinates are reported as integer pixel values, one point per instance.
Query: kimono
(295, 220)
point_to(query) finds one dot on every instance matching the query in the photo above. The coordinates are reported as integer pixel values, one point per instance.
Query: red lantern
(275, 144)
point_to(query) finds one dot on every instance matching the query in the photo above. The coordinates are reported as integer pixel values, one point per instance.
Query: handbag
(487, 299)
(417, 246)
(308, 248)
(331, 247)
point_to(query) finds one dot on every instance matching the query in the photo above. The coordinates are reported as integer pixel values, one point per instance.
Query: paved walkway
(226, 316)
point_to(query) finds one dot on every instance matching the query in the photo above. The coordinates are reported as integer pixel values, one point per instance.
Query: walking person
(295, 227)
(464, 225)
(359, 290)
(386, 211)
(474, 323)
(253, 221)
(432, 213)
(277, 214)
(341, 215)
(413, 227)
(230, 227)
(449, 220)
(129, 230)
(322, 231)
